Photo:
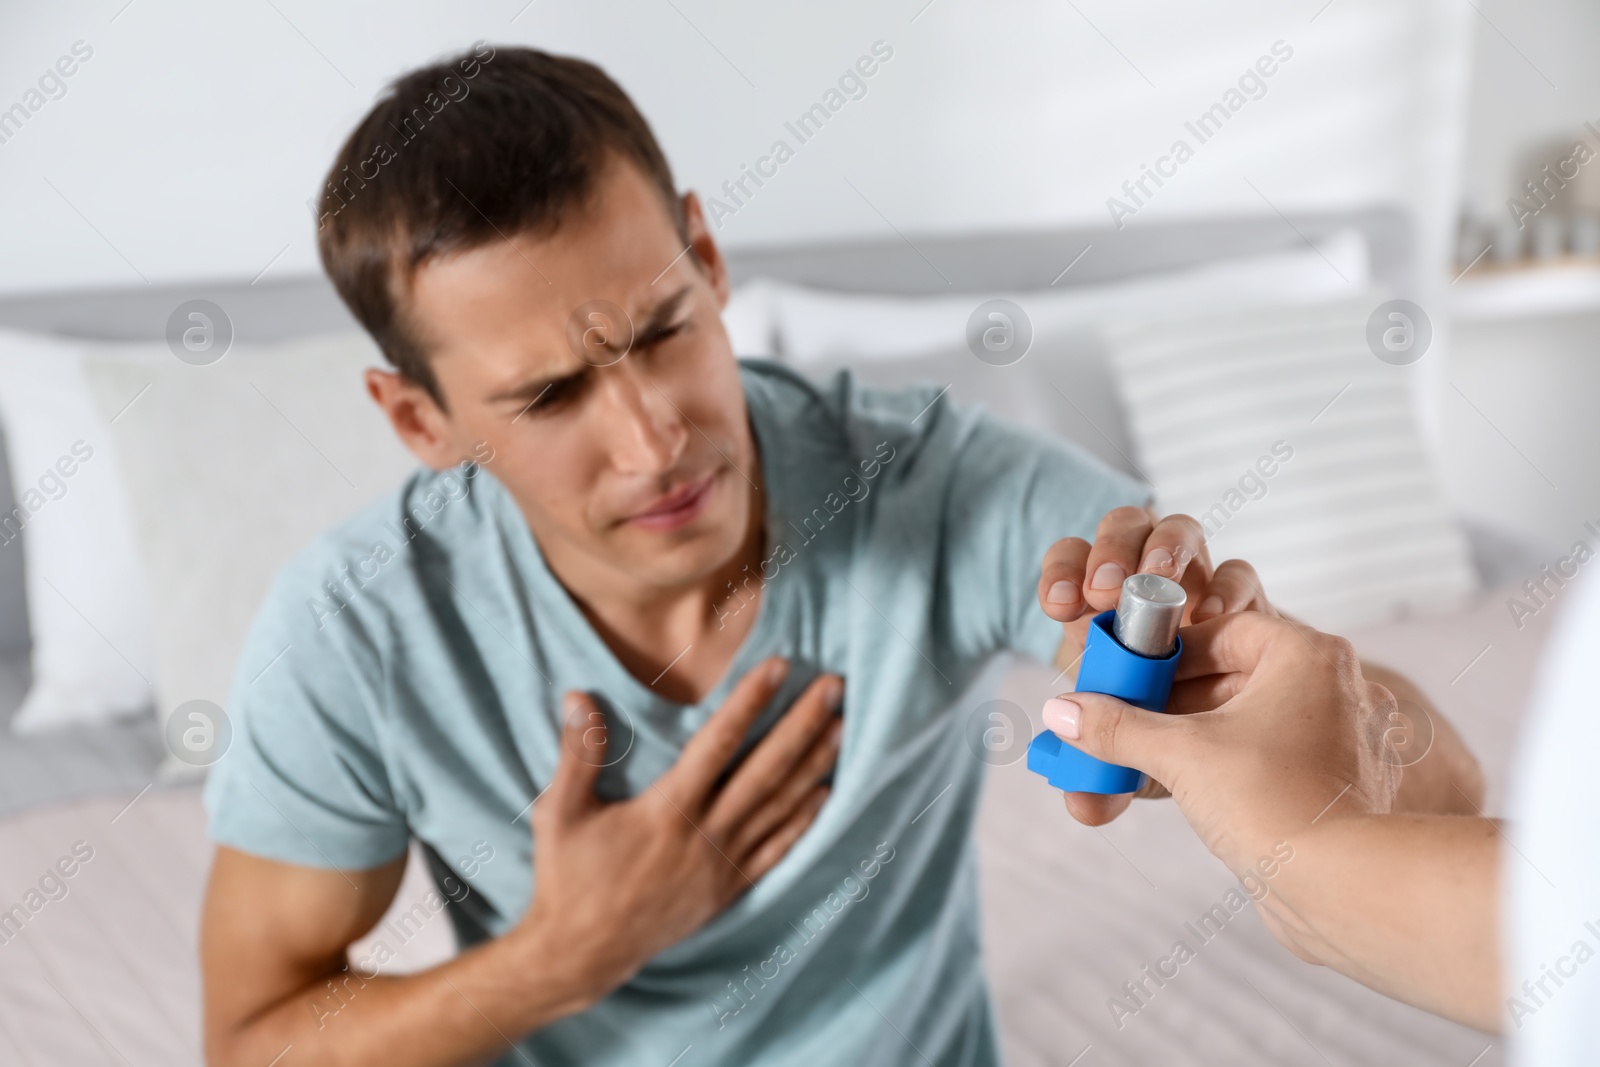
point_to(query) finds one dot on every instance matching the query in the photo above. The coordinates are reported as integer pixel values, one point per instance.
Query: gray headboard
(991, 262)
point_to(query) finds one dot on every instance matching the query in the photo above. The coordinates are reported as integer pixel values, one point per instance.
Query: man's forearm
(467, 1010)
(1404, 904)
(1440, 775)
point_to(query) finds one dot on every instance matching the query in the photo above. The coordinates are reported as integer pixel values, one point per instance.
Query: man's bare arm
(1439, 775)
(615, 884)
(273, 949)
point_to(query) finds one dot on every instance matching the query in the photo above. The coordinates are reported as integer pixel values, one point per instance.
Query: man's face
(636, 466)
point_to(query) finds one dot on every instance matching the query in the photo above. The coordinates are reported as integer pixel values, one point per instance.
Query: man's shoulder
(837, 393)
(838, 412)
(378, 560)
(930, 450)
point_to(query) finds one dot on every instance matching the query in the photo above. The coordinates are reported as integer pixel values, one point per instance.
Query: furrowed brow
(534, 388)
(663, 313)
(530, 390)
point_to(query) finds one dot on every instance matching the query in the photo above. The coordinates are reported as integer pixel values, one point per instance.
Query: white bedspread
(107, 974)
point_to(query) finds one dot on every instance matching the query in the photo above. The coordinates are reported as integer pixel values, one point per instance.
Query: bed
(107, 973)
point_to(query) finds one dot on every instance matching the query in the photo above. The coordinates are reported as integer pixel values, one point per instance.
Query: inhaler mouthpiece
(1148, 614)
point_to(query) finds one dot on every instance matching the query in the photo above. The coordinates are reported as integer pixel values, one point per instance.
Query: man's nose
(647, 432)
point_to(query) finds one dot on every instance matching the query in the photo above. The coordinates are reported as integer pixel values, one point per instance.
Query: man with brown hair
(699, 621)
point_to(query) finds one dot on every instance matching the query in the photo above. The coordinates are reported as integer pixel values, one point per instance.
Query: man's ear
(418, 421)
(705, 247)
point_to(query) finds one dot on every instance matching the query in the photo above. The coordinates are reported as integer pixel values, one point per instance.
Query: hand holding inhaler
(1131, 653)
(1080, 580)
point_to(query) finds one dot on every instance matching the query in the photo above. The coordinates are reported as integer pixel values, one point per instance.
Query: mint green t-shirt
(404, 678)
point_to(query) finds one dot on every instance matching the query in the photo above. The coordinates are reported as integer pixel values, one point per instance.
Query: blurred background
(1348, 323)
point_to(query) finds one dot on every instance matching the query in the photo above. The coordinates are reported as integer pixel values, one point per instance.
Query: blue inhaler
(1131, 653)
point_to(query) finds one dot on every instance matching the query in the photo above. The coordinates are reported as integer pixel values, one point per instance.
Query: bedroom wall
(1522, 453)
(1525, 460)
(1534, 79)
(983, 117)
(1009, 114)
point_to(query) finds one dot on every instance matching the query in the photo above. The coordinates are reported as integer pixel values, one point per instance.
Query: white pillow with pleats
(231, 468)
(1299, 451)
(88, 604)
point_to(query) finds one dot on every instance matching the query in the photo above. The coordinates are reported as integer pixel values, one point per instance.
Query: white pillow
(814, 324)
(88, 614)
(1298, 449)
(1062, 387)
(748, 319)
(1064, 383)
(232, 468)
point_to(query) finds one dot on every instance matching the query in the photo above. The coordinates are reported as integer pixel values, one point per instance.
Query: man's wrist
(568, 973)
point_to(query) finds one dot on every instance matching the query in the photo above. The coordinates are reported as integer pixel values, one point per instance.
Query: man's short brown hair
(473, 149)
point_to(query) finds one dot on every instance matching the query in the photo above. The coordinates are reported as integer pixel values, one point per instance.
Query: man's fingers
(1151, 789)
(1077, 577)
(689, 781)
(1176, 542)
(1115, 732)
(1061, 579)
(791, 793)
(772, 762)
(1096, 809)
(583, 753)
(774, 848)
(1118, 550)
(1234, 587)
(1225, 644)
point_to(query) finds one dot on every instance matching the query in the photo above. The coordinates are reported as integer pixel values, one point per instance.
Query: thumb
(583, 752)
(1116, 732)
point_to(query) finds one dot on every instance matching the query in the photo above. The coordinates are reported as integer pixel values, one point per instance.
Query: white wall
(1521, 436)
(1534, 79)
(1525, 458)
(192, 138)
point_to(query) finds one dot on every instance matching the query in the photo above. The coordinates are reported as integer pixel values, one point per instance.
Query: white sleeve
(1551, 878)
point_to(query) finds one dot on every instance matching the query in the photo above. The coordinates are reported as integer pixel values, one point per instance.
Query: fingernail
(835, 694)
(1063, 592)
(1108, 576)
(835, 733)
(776, 672)
(1211, 605)
(571, 709)
(1159, 559)
(1061, 717)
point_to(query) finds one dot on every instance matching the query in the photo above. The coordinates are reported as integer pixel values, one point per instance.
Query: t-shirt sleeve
(303, 780)
(1012, 494)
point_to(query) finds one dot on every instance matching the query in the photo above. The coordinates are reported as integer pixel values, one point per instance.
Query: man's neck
(679, 641)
